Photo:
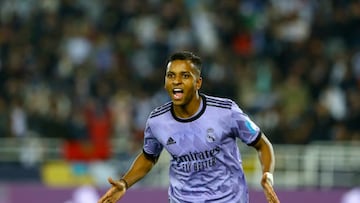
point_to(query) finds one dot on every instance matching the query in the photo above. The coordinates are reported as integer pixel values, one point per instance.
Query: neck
(188, 110)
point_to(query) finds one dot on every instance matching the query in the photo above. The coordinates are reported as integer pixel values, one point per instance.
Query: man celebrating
(200, 132)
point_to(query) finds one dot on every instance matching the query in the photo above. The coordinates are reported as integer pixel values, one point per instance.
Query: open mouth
(178, 93)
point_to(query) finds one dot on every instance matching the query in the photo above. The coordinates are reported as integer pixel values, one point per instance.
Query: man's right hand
(267, 183)
(115, 193)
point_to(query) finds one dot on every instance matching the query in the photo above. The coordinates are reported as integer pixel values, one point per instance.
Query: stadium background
(78, 79)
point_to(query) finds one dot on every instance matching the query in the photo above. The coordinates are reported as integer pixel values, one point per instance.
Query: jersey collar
(194, 117)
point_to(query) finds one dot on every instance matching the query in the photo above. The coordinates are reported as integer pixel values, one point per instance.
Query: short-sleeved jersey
(206, 162)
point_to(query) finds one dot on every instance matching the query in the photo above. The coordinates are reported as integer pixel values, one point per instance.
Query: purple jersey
(206, 162)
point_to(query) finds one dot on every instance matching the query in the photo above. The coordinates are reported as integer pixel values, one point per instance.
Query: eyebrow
(181, 72)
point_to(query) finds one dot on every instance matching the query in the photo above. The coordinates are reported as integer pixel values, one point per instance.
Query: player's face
(182, 82)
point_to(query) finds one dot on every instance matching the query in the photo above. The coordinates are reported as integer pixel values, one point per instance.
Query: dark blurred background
(78, 79)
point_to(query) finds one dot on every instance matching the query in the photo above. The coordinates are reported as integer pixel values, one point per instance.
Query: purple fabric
(206, 162)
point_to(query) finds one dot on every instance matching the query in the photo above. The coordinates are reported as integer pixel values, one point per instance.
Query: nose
(177, 79)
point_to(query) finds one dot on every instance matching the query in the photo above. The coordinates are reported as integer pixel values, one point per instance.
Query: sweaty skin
(182, 82)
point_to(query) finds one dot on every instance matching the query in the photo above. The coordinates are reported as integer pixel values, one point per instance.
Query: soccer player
(200, 132)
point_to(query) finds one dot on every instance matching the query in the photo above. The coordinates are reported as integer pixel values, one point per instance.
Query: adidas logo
(170, 141)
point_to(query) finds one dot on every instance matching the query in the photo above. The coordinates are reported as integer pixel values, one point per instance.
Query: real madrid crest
(210, 135)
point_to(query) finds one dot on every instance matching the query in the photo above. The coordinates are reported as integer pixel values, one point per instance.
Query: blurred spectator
(122, 108)
(76, 125)
(90, 133)
(143, 106)
(353, 118)
(31, 152)
(18, 119)
(4, 119)
(99, 121)
(293, 65)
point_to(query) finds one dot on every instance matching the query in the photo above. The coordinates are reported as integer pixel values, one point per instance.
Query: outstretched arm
(267, 160)
(140, 167)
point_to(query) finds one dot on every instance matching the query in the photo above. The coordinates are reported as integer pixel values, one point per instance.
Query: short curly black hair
(187, 55)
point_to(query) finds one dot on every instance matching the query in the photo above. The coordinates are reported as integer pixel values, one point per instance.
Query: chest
(193, 137)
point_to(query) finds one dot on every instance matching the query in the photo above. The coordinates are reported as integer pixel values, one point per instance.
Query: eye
(170, 75)
(186, 75)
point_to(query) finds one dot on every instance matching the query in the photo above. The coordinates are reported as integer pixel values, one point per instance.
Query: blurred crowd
(88, 71)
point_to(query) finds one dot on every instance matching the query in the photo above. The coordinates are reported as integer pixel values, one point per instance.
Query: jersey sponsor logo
(170, 141)
(210, 135)
(196, 156)
(197, 161)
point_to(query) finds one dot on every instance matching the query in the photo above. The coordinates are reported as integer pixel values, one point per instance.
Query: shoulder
(219, 102)
(160, 110)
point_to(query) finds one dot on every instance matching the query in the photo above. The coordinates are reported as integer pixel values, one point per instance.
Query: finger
(107, 201)
(271, 196)
(270, 193)
(104, 198)
(115, 183)
(101, 200)
(110, 180)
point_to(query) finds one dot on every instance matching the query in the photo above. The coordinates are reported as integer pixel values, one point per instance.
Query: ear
(198, 83)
